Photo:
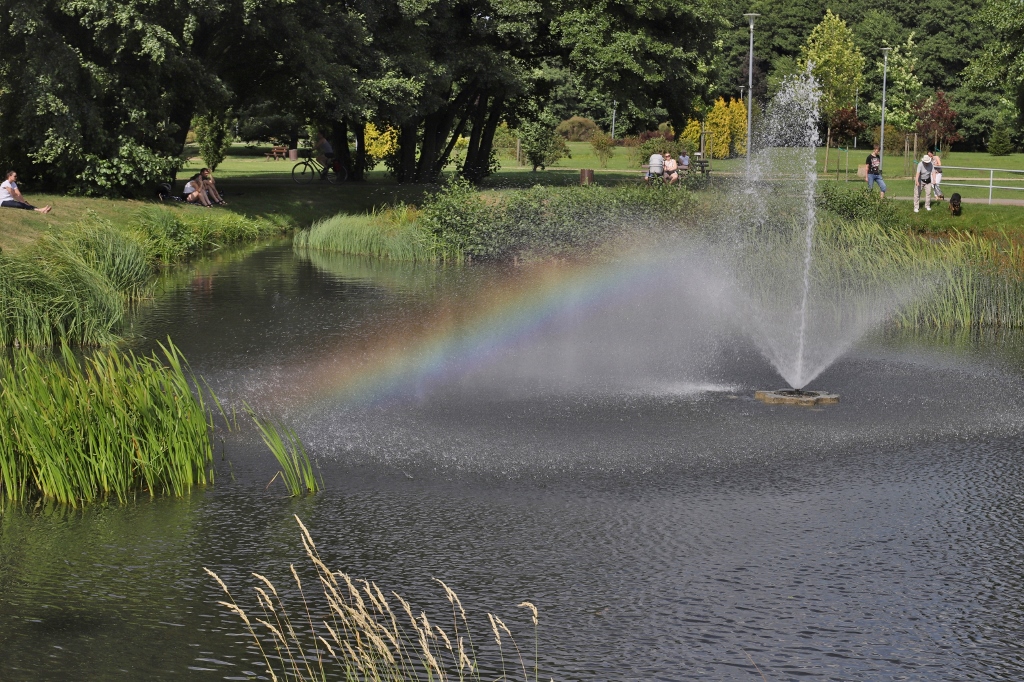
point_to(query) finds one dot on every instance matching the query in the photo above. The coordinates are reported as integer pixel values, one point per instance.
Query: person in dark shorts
(875, 171)
(10, 195)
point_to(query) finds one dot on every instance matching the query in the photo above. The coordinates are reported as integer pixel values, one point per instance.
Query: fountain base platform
(793, 396)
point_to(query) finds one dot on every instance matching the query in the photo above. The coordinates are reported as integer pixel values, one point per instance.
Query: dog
(954, 204)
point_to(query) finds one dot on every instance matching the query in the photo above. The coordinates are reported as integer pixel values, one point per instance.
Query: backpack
(954, 204)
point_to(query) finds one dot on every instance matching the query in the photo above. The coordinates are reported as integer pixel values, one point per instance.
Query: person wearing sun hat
(923, 177)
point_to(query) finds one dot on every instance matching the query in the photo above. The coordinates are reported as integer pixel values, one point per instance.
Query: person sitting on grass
(10, 195)
(210, 185)
(195, 191)
(671, 169)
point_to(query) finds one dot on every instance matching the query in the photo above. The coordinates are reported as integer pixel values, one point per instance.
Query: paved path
(1001, 202)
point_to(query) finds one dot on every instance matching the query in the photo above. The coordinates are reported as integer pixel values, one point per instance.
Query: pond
(584, 438)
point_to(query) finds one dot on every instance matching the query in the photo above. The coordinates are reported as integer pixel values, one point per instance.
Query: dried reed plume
(354, 634)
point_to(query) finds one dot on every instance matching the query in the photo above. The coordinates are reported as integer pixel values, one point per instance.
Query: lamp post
(885, 73)
(750, 85)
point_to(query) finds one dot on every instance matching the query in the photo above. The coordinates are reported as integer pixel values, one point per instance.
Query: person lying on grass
(195, 191)
(211, 187)
(10, 195)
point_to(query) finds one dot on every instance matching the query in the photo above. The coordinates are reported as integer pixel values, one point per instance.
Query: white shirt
(657, 161)
(6, 187)
(189, 188)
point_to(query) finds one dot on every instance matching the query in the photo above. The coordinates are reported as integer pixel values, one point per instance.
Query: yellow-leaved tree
(738, 126)
(691, 134)
(380, 144)
(719, 124)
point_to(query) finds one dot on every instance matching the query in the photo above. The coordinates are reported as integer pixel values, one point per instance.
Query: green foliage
(213, 136)
(543, 221)
(112, 426)
(719, 124)
(860, 204)
(903, 89)
(541, 145)
(132, 171)
(604, 147)
(296, 470)
(657, 145)
(174, 236)
(1001, 144)
(835, 61)
(393, 234)
(577, 129)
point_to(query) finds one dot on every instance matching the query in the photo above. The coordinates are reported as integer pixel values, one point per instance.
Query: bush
(577, 129)
(541, 145)
(1000, 144)
(134, 171)
(542, 221)
(640, 155)
(213, 136)
(860, 204)
(604, 147)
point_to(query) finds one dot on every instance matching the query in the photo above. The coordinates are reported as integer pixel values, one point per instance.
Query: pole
(615, 106)
(885, 73)
(750, 86)
(856, 112)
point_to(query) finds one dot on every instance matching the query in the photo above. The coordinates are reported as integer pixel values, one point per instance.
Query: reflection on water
(666, 525)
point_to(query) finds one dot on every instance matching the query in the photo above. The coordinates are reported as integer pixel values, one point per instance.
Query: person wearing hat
(923, 178)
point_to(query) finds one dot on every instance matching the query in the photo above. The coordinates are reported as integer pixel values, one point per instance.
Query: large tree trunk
(406, 169)
(359, 165)
(339, 135)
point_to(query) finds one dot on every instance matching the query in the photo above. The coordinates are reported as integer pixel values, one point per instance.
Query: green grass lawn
(255, 186)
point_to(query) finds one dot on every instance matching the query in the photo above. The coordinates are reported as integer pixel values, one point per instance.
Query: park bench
(277, 153)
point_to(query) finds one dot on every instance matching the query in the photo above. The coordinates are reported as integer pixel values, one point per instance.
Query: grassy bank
(460, 223)
(74, 286)
(111, 427)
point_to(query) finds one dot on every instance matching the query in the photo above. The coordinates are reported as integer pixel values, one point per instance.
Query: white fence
(991, 178)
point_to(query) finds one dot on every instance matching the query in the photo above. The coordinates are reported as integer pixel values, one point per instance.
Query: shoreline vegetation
(76, 285)
(356, 634)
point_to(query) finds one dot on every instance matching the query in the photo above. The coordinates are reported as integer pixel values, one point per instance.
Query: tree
(719, 124)
(541, 145)
(903, 88)
(213, 137)
(1000, 65)
(837, 64)
(1001, 143)
(936, 120)
(738, 126)
(604, 147)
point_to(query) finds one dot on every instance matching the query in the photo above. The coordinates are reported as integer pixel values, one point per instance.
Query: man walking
(875, 171)
(923, 178)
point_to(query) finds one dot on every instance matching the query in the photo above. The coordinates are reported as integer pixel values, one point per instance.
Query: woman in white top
(195, 192)
(10, 195)
(937, 176)
(671, 169)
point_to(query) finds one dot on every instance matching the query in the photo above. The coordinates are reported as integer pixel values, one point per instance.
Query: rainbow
(458, 335)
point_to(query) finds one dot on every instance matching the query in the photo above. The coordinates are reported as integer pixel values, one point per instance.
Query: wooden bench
(277, 153)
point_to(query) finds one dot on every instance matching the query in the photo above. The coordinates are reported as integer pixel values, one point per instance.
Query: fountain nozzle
(796, 396)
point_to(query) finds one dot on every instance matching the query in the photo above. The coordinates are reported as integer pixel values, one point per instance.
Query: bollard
(293, 154)
(586, 176)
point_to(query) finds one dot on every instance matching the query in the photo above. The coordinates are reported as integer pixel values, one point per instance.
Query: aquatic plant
(351, 632)
(72, 287)
(113, 425)
(174, 236)
(296, 470)
(393, 233)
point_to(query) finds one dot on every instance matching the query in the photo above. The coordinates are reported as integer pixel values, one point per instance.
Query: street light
(750, 85)
(885, 73)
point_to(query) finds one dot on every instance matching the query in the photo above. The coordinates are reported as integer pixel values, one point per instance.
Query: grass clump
(114, 425)
(296, 470)
(543, 221)
(174, 236)
(351, 631)
(860, 204)
(393, 234)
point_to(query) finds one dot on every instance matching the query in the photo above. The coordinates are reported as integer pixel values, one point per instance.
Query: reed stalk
(114, 425)
(296, 470)
(351, 632)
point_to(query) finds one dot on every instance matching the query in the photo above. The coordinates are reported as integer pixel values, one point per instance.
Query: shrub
(133, 171)
(718, 123)
(691, 135)
(213, 136)
(541, 145)
(577, 129)
(381, 145)
(860, 204)
(640, 155)
(604, 147)
(1000, 144)
(505, 140)
(738, 126)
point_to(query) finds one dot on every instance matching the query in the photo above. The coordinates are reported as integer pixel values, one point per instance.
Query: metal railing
(991, 178)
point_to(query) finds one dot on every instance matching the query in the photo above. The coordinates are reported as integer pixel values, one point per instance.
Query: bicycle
(306, 170)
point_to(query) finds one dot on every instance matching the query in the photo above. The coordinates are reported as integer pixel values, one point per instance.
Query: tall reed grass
(296, 470)
(75, 286)
(112, 426)
(394, 233)
(347, 629)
